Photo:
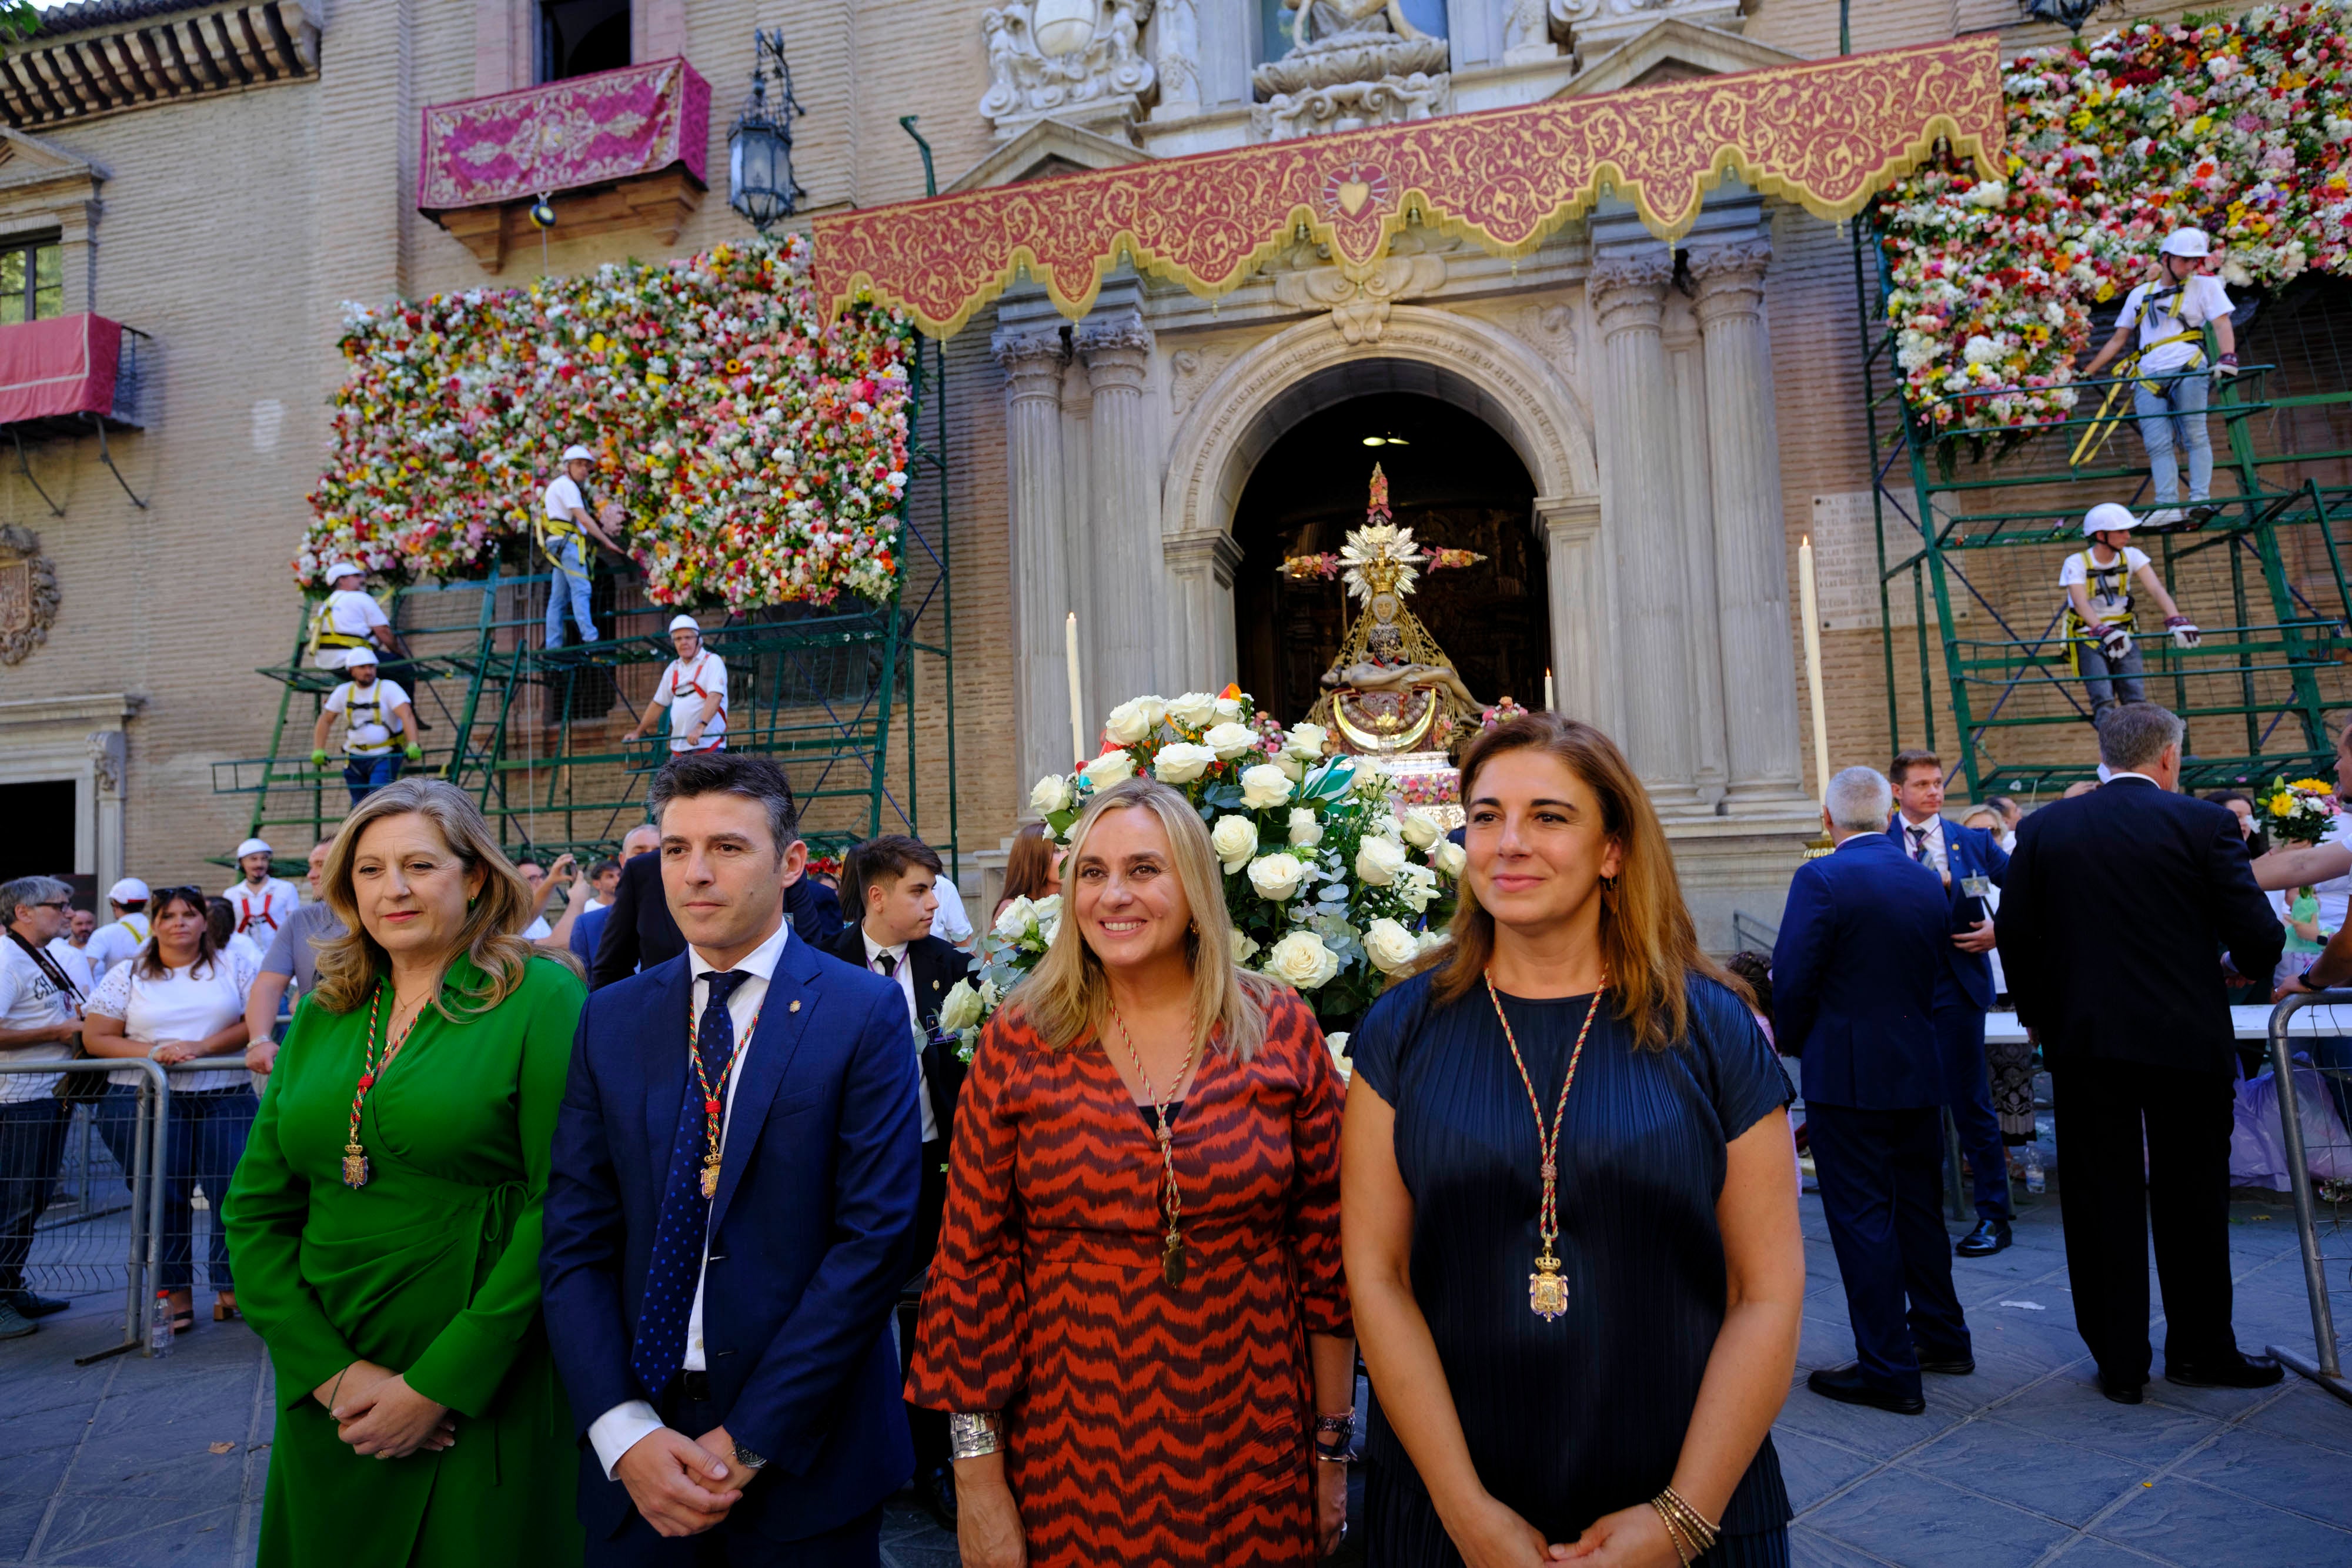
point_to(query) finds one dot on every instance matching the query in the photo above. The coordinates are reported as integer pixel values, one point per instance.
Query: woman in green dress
(385, 1223)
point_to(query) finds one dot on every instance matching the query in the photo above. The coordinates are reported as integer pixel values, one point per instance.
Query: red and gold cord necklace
(355, 1160)
(1171, 1257)
(1546, 1289)
(714, 1100)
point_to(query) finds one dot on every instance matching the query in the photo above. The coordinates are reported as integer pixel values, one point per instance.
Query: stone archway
(1309, 367)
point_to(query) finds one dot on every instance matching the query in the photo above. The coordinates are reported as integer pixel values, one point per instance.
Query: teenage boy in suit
(893, 881)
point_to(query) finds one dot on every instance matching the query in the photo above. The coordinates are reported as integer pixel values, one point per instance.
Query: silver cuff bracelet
(972, 1433)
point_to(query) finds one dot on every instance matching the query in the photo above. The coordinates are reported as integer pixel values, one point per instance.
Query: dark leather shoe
(936, 1490)
(1847, 1385)
(2244, 1371)
(1990, 1236)
(33, 1306)
(1960, 1366)
(2122, 1393)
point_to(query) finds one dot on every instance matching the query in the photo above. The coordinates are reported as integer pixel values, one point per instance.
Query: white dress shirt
(625, 1425)
(904, 973)
(1933, 841)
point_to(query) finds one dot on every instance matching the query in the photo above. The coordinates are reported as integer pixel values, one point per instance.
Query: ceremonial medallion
(1547, 1292)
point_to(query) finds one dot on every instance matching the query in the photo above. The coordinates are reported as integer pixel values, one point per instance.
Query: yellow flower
(2280, 804)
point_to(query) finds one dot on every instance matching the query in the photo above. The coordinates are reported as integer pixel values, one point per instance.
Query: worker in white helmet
(693, 689)
(120, 942)
(348, 620)
(379, 729)
(2102, 628)
(564, 521)
(259, 901)
(2170, 315)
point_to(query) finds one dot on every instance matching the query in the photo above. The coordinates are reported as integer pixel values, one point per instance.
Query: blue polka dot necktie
(680, 1232)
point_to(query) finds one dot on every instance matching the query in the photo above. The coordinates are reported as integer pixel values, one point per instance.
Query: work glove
(2184, 631)
(2115, 642)
(413, 752)
(2227, 367)
(318, 757)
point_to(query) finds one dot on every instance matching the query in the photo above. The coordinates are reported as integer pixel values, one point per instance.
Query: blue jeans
(2175, 419)
(32, 1140)
(363, 776)
(202, 1144)
(571, 576)
(2127, 685)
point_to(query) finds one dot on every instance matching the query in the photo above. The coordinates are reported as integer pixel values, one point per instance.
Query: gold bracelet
(1694, 1523)
(1673, 1537)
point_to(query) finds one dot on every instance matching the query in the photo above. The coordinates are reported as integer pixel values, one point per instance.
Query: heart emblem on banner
(1353, 196)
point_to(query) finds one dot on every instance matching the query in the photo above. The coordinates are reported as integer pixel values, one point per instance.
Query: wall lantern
(760, 147)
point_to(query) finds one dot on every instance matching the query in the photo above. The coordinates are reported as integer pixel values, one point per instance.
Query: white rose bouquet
(1333, 889)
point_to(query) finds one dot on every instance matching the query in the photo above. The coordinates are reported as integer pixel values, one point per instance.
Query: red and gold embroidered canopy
(1828, 134)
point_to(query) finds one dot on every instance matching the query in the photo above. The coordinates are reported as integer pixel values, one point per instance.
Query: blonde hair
(1648, 941)
(1066, 996)
(351, 965)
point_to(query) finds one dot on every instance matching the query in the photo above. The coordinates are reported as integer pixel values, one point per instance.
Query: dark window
(44, 812)
(580, 38)
(32, 281)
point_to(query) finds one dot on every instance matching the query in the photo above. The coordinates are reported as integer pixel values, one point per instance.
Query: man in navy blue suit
(730, 1211)
(1971, 862)
(1853, 991)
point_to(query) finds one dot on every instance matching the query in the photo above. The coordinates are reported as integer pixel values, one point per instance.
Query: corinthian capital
(1629, 291)
(1116, 348)
(1032, 358)
(1729, 278)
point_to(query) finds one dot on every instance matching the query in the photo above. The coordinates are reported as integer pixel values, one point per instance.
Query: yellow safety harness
(323, 634)
(2111, 583)
(373, 707)
(2109, 418)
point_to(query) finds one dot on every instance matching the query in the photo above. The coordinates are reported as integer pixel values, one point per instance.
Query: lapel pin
(795, 1007)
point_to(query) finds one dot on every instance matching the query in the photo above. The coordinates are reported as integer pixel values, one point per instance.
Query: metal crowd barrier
(2325, 1369)
(88, 1212)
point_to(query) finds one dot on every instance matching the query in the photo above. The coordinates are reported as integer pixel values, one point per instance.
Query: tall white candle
(1808, 606)
(1549, 706)
(1077, 704)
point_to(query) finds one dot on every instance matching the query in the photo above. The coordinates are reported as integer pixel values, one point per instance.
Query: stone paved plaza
(137, 1463)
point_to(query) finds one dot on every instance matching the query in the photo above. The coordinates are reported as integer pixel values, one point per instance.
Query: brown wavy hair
(151, 953)
(351, 965)
(1648, 941)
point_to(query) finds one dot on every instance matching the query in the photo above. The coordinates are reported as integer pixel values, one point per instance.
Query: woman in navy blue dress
(1587, 1362)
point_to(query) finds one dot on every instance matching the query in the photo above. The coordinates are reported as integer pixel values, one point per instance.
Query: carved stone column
(1576, 574)
(1750, 539)
(1201, 610)
(1645, 523)
(1129, 585)
(1041, 589)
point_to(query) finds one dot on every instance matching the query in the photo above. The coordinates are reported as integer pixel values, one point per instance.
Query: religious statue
(1321, 19)
(1391, 689)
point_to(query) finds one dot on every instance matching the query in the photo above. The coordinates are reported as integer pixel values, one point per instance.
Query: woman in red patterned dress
(1136, 1316)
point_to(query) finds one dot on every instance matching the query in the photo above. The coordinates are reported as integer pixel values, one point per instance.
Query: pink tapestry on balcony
(584, 132)
(61, 366)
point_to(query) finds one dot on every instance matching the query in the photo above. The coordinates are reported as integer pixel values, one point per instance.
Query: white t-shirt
(690, 688)
(352, 613)
(563, 499)
(951, 924)
(189, 1003)
(2335, 894)
(30, 999)
(372, 723)
(75, 962)
(538, 930)
(2110, 584)
(245, 947)
(260, 911)
(115, 944)
(2162, 311)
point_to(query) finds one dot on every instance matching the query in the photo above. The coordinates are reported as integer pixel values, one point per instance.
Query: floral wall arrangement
(2239, 128)
(758, 456)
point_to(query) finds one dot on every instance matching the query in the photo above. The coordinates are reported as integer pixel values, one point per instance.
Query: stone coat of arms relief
(28, 594)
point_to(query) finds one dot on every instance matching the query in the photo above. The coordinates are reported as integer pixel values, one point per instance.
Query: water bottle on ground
(2035, 1181)
(159, 1326)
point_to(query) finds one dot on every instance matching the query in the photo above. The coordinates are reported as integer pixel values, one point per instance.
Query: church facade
(1635, 433)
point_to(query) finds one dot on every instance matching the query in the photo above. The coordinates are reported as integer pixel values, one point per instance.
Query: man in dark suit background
(1854, 974)
(639, 933)
(728, 1214)
(894, 880)
(2118, 906)
(1971, 862)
